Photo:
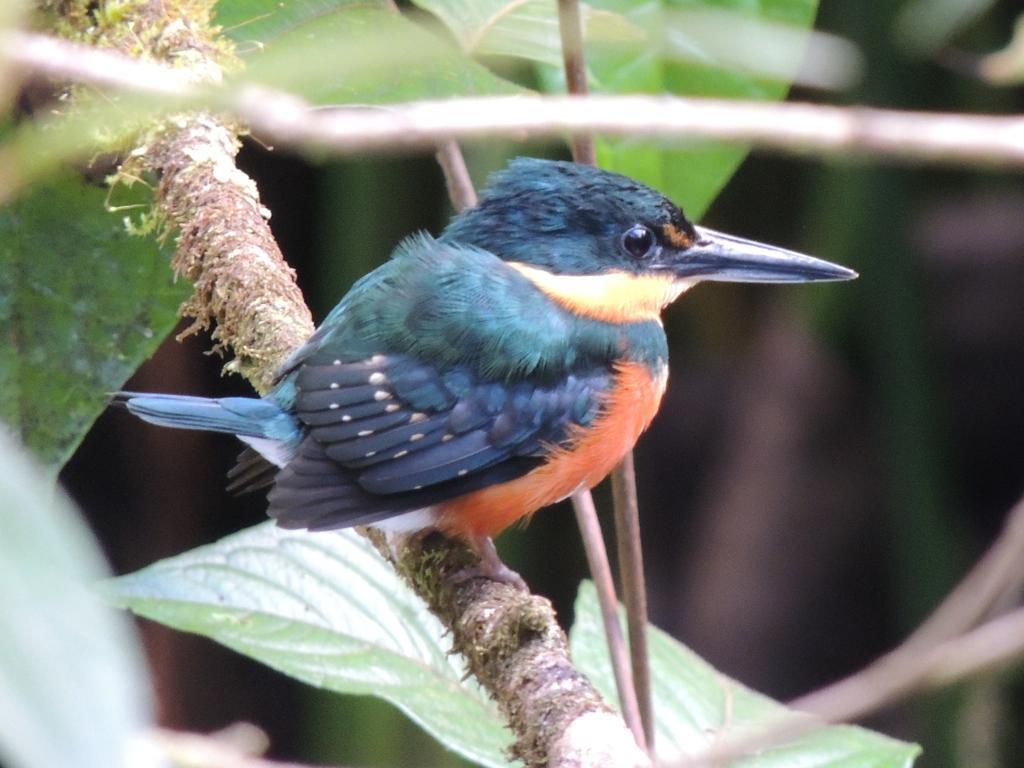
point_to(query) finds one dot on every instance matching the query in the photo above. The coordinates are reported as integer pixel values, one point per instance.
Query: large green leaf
(528, 29)
(73, 689)
(692, 176)
(327, 609)
(254, 24)
(82, 304)
(718, 48)
(696, 706)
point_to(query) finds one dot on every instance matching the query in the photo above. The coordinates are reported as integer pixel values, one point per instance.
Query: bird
(479, 376)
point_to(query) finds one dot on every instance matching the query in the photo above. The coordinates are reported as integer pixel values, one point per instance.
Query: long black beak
(717, 256)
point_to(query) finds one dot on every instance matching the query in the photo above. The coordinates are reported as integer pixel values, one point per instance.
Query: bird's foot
(490, 566)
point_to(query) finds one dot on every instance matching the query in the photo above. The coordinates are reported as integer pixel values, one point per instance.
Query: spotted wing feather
(415, 437)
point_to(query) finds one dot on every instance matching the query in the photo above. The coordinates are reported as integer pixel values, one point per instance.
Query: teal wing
(443, 372)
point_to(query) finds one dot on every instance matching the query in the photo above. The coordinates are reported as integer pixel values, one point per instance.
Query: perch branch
(511, 640)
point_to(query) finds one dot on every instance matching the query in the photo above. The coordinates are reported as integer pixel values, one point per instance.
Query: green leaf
(72, 682)
(338, 52)
(696, 706)
(667, 56)
(717, 48)
(82, 304)
(326, 609)
(528, 29)
(256, 23)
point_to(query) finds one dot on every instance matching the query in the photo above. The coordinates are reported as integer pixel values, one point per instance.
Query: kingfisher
(481, 375)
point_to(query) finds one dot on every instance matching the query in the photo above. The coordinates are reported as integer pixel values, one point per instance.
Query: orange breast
(592, 453)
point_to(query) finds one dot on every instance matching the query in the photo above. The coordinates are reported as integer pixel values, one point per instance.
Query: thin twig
(998, 573)
(795, 128)
(937, 653)
(634, 587)
(456, 176)
(570, 27)
(62, 59)
(600, 570)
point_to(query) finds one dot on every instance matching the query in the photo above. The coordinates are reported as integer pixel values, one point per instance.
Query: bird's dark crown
(568, 218)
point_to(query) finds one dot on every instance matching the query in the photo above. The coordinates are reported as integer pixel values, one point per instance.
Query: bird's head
(610, 247)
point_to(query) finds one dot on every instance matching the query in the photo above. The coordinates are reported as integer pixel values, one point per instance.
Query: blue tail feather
(243, 416)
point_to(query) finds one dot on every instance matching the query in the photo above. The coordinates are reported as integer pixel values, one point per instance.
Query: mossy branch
(246, 291)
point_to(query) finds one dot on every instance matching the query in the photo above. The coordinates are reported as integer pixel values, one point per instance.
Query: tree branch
(511, 640)
(788, 127)
(794, 128)
(243, 286)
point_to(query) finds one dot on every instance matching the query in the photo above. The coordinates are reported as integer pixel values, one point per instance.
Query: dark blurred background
(828, 461)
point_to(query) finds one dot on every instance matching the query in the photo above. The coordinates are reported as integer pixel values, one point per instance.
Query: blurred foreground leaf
(254, 24)
(696, 706)
(527, 30)
(82, 304)
(326, 609)
(72, 683)
(326, 52)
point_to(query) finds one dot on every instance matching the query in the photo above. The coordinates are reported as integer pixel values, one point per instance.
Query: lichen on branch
(243, 287)
(514, 646)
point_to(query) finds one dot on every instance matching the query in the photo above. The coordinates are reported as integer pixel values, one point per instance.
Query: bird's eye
(638, 241)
